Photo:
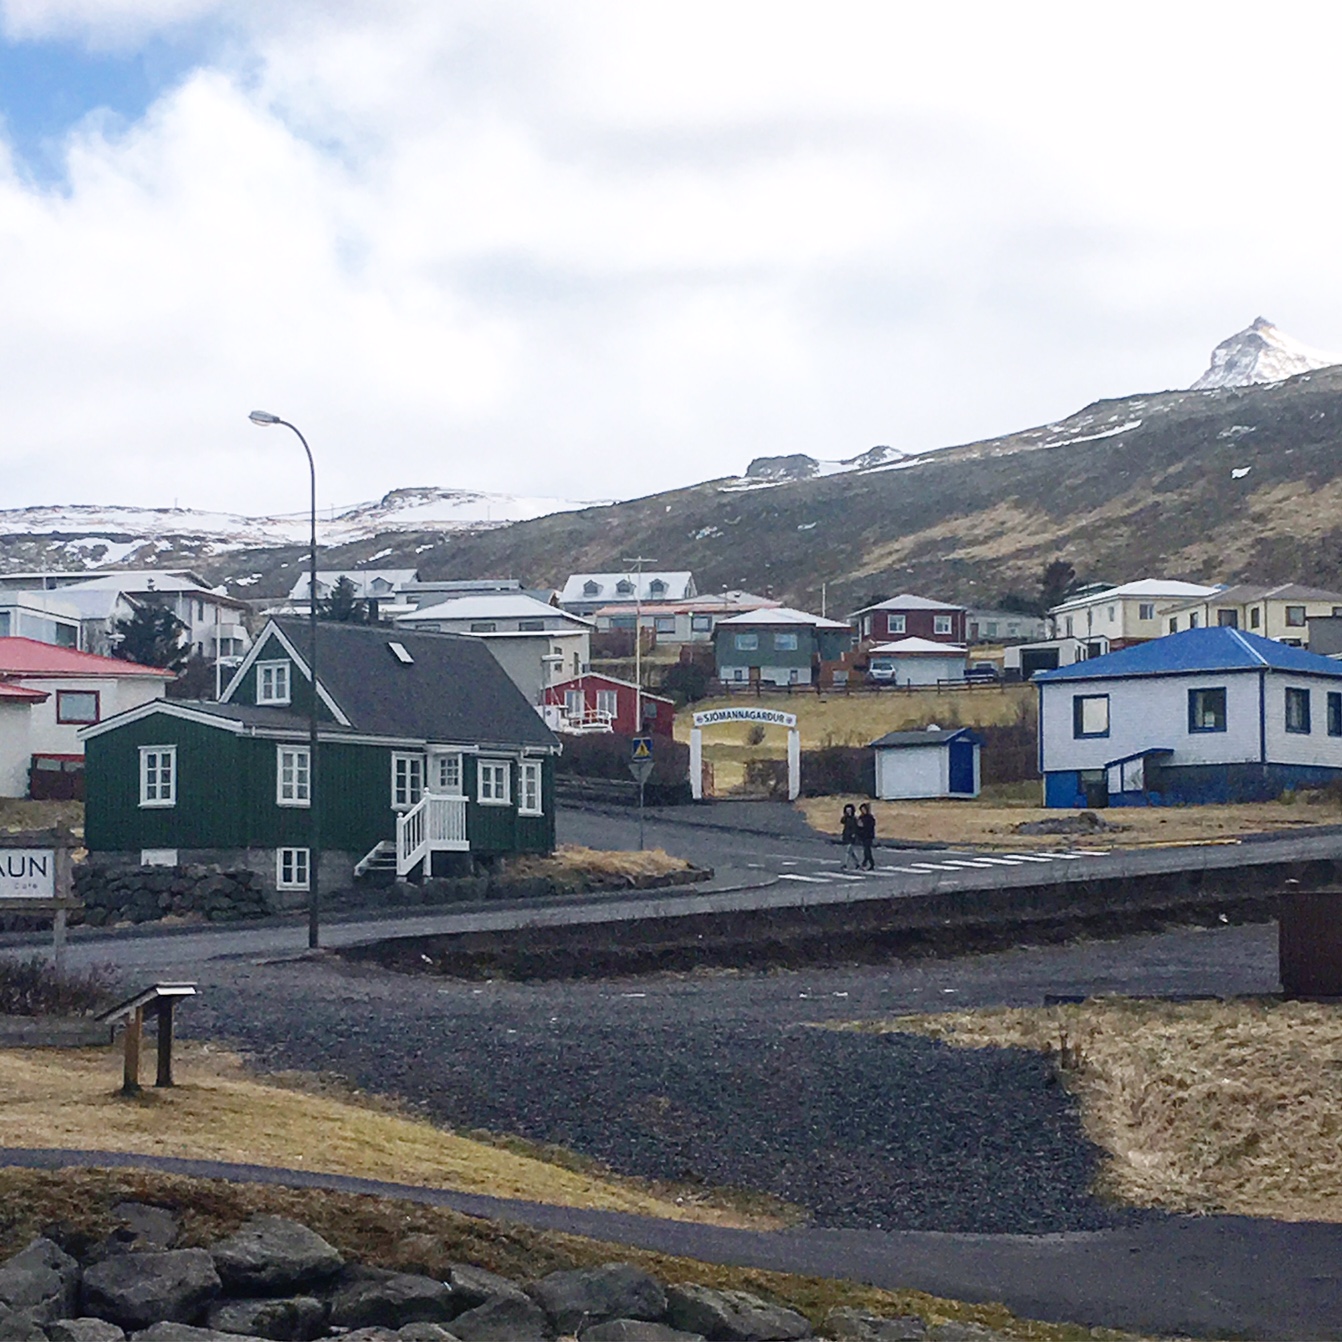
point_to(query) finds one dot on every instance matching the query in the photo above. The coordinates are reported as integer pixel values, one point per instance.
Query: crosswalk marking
(797, 876)
(1029, 857)
(1000, 862)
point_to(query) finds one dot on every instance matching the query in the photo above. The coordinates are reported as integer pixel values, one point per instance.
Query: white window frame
(157, 795)
(447, 776)
(895, 624)
(297, 789)
(942, 624)
(402, 779)
(785, 642)
(608, 701)
(529, 789)
(293, 868)
(275, 695)
(747, 642)
(493, 782)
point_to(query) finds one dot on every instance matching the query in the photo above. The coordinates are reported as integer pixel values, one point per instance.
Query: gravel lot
(718, 1078)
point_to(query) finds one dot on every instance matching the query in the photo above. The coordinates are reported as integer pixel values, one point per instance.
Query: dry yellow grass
(572, 862)
(17, 813)
(217, 1111)
(853, 720)
(985, 824)
(1231, 1107)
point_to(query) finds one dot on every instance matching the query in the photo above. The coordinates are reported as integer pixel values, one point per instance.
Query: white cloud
(599, 249)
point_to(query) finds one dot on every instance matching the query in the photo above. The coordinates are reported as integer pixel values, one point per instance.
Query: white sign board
(27, 873)
(766, 715)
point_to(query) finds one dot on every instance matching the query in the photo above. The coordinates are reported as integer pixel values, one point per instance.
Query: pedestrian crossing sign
(642, 748)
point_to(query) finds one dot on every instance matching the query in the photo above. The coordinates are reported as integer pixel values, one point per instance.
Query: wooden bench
(162, 997)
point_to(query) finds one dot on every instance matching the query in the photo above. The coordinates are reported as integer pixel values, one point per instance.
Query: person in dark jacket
(866, 833)
(850, 836)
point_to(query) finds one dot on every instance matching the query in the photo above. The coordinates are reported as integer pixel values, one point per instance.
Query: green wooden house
(428, 756)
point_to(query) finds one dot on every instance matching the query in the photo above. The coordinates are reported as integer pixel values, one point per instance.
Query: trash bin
(1309, 943)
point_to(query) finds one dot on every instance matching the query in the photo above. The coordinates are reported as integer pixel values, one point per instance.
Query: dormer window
(657, 588)
(272, 682)
(590, 588)
(624, 587)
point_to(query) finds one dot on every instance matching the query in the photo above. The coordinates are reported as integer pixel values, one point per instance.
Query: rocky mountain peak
(1260, 353)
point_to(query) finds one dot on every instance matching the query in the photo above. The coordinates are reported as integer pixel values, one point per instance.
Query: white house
(1282, 612)
(1207, 715)
(47, 694)
(915, 661)
(1025, 659)
(41, 616)
(937, 762)
(1125, 614)
(1003, 626)
(584, 593)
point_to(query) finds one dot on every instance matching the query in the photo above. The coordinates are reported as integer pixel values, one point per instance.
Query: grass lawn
(219, 1111)
(989, 822)
(408, 1237)
(17, 813)
(1231, 1107)
(572, 862)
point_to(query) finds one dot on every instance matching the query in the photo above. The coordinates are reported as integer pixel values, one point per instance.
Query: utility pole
(636, 563)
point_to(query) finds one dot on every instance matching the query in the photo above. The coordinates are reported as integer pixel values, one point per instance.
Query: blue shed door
(962, 767)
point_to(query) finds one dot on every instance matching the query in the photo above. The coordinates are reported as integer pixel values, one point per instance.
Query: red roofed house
(596, 703)
(47, 693)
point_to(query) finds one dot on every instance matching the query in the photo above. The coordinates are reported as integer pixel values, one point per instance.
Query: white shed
(931, 763)
(916, 661)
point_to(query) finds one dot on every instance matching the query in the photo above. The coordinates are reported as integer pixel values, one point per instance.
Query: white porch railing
(433, 825)
(592, 721)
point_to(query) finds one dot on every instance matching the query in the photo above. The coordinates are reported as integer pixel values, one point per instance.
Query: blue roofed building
(1208, 715)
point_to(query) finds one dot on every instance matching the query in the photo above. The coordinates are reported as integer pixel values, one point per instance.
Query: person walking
(850, 836)
(866, 833)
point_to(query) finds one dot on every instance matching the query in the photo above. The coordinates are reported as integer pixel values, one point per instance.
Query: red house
(602, 703)
(909, 616)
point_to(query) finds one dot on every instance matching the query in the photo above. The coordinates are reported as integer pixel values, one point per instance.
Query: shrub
(838, 769)
(33, 988)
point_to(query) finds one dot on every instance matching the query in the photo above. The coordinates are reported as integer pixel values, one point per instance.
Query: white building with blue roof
(1208, 715)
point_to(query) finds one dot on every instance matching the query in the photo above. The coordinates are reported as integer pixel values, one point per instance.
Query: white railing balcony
(593, 720)
(433, 825)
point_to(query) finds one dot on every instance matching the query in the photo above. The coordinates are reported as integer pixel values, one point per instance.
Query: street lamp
(265, 419)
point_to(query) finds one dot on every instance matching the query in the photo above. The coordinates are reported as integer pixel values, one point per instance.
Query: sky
(594, 250)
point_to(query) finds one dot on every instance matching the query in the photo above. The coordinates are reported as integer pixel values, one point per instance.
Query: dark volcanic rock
(183, 1332)
(290, 1319)
(505, 1318)
(391, 1301)
(732, 1316)
(637, 1330)
(40, 1283)
(84, 1330)
(144, 1228)
(595, 1295)
(136, 1290)
(472, 1286)
(852, 1325)
(271, 1254)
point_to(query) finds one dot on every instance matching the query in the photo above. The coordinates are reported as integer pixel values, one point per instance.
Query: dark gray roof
(936, 737)
(452, 691)
(252, 715)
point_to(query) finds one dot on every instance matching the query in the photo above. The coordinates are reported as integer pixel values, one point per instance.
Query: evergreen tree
(343, 606)
(153, 636)
(1056, 584)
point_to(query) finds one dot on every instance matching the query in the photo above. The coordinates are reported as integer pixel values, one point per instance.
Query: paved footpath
(1196, 1276)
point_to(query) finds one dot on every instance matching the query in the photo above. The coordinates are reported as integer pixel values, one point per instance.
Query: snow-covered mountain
(1260, 353)
(103, 535)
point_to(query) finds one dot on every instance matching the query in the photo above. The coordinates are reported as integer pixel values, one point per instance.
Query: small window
(701, 624)
(445, 778)
(608, 701)
(1297, 711)
(407, 781)
(657, 589)
(158, 857)
(664, 624)
(793, 676)
(291, 868)
(1146, 610)
(941, 624)
(895, 623)
(624, 587)
(1255, 617)
(401, 653)
(529, 788)
(590, 588)
(1207, 710)
(574, 703)
(1174, 624)
(293, 777)
(1068, 624)
(1090, 715)
(1113, 610)
(1334, 713)
(1194, 619)
(1227, 619)
(785, 642)
(484, 627)
(738, 673)
(747, 642)
(493, 780)
(531, 626)
(158, 775)
(272, 682)
(78, 707)
(1295, 617)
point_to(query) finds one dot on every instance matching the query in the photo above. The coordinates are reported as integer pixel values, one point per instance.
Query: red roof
(21, 694)
(28, 657)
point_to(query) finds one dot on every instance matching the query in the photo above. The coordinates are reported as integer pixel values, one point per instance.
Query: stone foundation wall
(143, 894)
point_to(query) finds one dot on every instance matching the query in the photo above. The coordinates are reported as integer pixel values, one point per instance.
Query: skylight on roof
(402, 655)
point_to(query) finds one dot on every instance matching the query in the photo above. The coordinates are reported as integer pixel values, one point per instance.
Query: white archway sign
(770, 718)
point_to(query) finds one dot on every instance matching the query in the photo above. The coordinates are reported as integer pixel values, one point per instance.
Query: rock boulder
(573, 1300)
(137, 1290)
(272, 1255)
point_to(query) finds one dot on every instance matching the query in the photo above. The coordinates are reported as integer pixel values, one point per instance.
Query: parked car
(987, 672)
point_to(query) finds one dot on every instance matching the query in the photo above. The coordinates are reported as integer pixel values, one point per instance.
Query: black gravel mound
(725, 1086)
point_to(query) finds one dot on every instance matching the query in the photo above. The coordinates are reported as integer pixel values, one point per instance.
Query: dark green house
(777, 646)
(428, 755)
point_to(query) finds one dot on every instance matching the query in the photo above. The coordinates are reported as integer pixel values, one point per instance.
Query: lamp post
(636, 563)
(265, 419)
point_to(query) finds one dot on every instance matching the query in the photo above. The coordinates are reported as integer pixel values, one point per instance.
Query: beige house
(1282, 612)
(1130, 613)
